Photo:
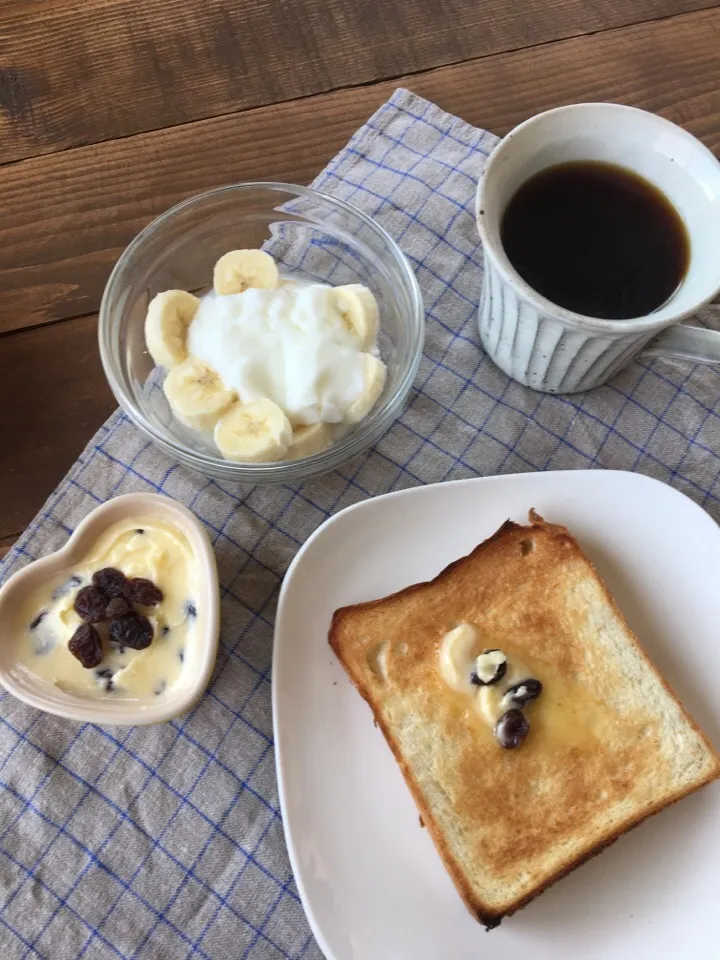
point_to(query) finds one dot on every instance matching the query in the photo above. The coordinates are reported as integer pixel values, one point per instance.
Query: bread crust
(488, 915)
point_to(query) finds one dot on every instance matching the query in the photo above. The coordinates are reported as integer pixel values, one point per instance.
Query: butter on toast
(609, 743)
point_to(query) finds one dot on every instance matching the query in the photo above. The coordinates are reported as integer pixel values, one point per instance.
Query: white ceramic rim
(356, 442)
(115, 714)
(544, 306)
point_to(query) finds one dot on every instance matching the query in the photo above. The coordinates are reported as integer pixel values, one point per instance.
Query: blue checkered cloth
(166, 842)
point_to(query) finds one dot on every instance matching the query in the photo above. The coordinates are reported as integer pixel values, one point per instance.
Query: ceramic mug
(555, 350)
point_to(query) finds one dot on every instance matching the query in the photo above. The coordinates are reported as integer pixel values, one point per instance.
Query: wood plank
(6, 543)
(53, 396)
(68, 216)
(82, 71)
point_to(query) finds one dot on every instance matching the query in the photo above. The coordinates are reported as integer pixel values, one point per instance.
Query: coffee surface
(597, 239)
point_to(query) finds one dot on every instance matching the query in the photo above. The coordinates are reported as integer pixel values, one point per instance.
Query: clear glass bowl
(313, 237)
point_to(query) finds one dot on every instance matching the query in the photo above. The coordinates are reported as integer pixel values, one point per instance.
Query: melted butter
(160, 553)
(488, 699)
(563, 715)
(458, 650)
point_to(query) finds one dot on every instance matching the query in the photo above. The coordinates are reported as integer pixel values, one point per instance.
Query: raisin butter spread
(117, 623)
(499, 688)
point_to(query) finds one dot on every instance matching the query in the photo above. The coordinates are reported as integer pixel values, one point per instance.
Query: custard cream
(141, 547)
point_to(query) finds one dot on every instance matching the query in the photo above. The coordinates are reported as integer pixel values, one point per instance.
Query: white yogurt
(288, 344)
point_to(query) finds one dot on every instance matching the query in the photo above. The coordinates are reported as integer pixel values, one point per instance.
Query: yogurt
(289, 344)
(139, 547)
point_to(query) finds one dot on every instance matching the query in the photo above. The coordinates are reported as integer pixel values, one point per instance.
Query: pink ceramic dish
(199, 656)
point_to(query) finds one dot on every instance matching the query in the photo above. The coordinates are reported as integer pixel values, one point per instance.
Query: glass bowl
(313, 237)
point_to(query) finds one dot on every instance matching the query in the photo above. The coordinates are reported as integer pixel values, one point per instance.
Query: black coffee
(596, 239)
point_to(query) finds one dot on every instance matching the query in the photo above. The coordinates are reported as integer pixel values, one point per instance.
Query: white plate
(371, 882)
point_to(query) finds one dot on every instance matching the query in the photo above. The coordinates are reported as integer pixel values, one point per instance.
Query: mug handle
(686, 342)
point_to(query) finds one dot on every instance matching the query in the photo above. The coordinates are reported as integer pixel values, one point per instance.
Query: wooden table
(112, 110)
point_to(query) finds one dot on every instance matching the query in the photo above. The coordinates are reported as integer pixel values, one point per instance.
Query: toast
(608, 745)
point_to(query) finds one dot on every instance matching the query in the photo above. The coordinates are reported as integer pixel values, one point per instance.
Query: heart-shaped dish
(198, 657)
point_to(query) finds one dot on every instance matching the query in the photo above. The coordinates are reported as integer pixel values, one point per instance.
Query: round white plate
(371, 882)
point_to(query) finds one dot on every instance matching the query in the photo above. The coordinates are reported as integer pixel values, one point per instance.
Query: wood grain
(83, 71)
(6, 543)
(53, 397)
(67, 216)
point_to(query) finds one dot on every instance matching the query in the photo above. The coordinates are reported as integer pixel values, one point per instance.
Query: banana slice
(196, 393)
(374, 374)
(309, 440)
(254, 432)
(168, 317)
(359, 312)
(241, 269)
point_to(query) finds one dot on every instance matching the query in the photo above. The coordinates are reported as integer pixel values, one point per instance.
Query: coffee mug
(555, 350)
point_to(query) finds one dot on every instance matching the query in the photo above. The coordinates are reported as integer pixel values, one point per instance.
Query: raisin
(111, 581)
(105, 676)
(132, 630)
(90, 603)
(493, 664)
(86, 646)
(143, 591)
(521, 693)
(511, 729)
(38, 619)
(117, 607)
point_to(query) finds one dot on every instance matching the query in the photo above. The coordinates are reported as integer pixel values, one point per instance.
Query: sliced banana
(196, 393)
(374, 375)
(239, 270)
(254, 432)
(359, 312)
(308, 440)
(168, 318)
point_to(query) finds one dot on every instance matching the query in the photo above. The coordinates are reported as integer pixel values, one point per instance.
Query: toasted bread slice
(609, 743)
